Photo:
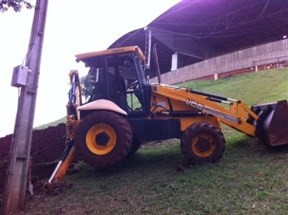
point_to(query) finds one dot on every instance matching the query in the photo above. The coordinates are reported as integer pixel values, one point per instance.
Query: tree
(87, 86)
(16, 5)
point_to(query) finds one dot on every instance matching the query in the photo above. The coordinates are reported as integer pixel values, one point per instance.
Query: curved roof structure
(201, 29)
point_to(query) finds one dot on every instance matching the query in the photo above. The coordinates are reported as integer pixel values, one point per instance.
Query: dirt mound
(47, 146)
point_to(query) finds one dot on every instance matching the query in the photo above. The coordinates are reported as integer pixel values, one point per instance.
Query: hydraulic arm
(71, 121)
(259, 120)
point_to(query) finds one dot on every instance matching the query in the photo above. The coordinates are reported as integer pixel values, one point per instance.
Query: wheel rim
(101, 139)
(203, 145)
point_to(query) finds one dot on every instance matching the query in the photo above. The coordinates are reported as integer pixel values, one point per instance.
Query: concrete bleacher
(262, 57)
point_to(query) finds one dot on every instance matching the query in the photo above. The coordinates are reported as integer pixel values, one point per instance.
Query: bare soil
(47, 146)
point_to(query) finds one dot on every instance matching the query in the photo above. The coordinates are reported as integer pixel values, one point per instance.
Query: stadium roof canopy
(201, 29)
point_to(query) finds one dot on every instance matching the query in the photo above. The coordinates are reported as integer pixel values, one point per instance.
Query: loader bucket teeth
(272, 126)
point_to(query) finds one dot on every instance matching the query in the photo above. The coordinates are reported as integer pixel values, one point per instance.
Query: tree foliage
(87, 86)
(16, 5)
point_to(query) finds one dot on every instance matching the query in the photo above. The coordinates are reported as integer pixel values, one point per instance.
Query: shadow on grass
(167, 157)
(152, 157)
(254, 146)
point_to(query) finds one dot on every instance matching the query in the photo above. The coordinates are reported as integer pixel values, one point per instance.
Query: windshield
(106, 73)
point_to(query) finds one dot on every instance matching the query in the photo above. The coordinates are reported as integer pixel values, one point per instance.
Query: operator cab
(117, 75)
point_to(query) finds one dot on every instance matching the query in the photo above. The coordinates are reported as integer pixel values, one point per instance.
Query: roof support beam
(183, 44)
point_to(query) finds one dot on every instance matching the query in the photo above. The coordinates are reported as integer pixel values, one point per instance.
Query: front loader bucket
(272, 126)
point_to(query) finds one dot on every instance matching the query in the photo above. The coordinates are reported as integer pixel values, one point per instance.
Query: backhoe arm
(72, 118)
(231, 112)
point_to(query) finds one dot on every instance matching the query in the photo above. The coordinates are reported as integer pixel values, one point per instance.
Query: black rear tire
(203, 142)
(103, 139)
(135, 146)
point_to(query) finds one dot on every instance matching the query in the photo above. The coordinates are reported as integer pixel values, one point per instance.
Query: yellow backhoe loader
(122, 109)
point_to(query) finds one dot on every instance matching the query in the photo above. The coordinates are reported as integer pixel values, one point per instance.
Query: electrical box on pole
(19, 77)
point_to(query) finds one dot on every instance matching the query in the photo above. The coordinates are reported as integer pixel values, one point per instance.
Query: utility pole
(16, 178)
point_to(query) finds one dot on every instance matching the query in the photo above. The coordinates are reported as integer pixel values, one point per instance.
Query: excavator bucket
(272, 125)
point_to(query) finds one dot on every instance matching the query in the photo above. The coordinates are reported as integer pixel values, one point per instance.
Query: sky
(71, 28)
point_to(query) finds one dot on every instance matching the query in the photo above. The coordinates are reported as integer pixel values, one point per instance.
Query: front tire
(203, 142)
(136, 144)
(103, 138)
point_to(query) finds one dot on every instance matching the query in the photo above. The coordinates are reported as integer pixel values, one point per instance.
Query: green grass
(54, 123)
(249, 179)
(253, 88)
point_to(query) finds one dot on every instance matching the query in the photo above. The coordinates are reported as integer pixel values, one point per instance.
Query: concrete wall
(243, 60)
